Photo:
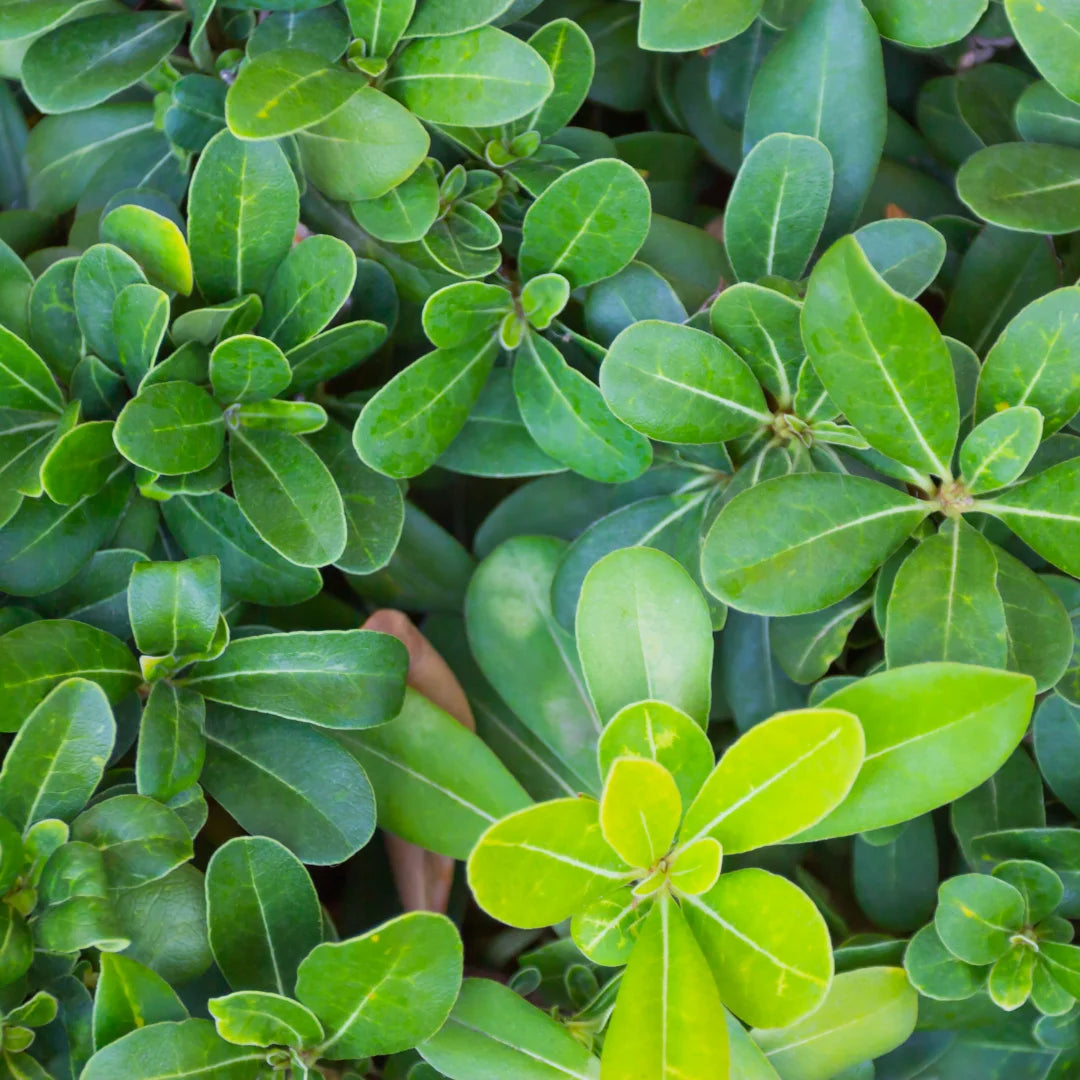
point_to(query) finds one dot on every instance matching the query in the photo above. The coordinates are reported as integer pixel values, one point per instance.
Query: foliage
(704, 375)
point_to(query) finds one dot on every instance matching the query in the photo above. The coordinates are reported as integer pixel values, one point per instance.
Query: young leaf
(588, 224)
(777, 779)
(540, 865)
(59, 755)
(976, 917)
(567, 50)
(254, 1017)
(777, 208)
(334, 678)
(668, 1020)
(365, 990)
(154, 242)
(801, 542)
(404, 213)
(678, 384)
(933, 732)
(380, 23)
(766, 944)
(1011, 978)
(567, 416)
(644, 632)
(262, 912)
(945, 604)
(640, 810)
(1000, 448)
(243, 210)
(882, 360)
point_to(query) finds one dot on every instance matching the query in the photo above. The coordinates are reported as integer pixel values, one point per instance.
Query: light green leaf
(254, 1017)
(479, 78)
(668, 1020)
(288, 495)
(243, 209)
(404, 213)
(606, 929)
(463, 311)
(154, 242)
(408, 424)
(777, 207)
(59, 755)
(540, 865)
(644, 632)
(777, 779)
(920, 24)
(678, 384)
(977, 915)
(1029, 187)
(1030, 364)
(83, 63)
(767, 946)
(1047, 31)
(380, 23)
(689, 25)
(1000, 448)
(80, 462)
(640, 809)
(866, 1014)
(566, 49)
(262, 912)
(384, 991)
(882, 360)
(588, 224)
(284, 91)
(933, 732)
(436, 784)
(492, 1031)
(801, 542)
(1011, 978)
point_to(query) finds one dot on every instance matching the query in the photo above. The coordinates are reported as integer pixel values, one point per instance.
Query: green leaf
(1029, 187)
(538, 866)
(366, 148)
(463, 311)
(694, 24)
(493, 1031)
(1045, 116)
(154, 242)
(1046, 31)
(380, 23)
(777, 208)
(413, 418)
(80, 462)
(643, 631)
(103, 272)
(262, 912)
(284, 91)
(140, 838)
(567, 51)
(290, 782)
(678, 384)
(567, 416)
(977, 916)
(250, 569)
(365, 990)
(256, 1017)
(899, 396)
(668, 1020)
(801, 542)
(1063, 963)
(82, 63)
(1040, 887)
(334, 678)
(766, 944)
(640, 811)
(588, 224)
(37, 656)
(866, 1014)
(175, 1051)
(806, 645)
(1057, 747)
(307, 290)
(806, 86)
(933, 732)
(1000, 448)
(1029, 363)
(778, 779)
(129, 996)
(436, 784)
(288, 495)
(479, 78)
(656, 731)
(945, 605)
(1011, 978)
(1041, 512)
(907, 253)
(140, 319)
(913, 23)
(59, 755)
(175, 606)
(334, 352)
(936, 973)
(636, 292)
(404, 213)
(16, 945)
(248, 368)
(171, 428)
(243, 209)
(171, 746)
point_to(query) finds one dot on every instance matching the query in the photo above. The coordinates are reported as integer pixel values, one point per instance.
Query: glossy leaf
(1000, 448)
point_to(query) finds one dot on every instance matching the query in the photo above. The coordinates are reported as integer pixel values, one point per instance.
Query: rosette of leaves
(1000, 933)
(125, 387)
(639, 869)
(298, 995)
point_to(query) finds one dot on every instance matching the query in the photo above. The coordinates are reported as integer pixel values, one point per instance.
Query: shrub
(702, 377)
